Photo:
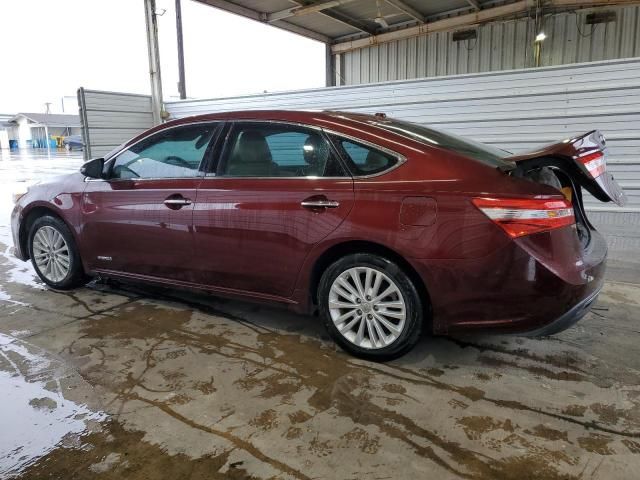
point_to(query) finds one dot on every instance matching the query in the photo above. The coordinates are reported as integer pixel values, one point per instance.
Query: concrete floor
(119, 381)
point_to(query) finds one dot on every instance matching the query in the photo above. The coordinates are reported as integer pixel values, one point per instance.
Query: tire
(338, 310)
(64, 270)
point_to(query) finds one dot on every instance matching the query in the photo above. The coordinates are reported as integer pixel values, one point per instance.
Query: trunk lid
(583, 158)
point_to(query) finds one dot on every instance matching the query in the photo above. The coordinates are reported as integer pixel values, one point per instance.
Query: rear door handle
(176, 201)
(320, 204)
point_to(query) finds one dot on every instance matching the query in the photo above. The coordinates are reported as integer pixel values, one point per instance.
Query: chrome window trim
(171, 127)
(308, 177)
(278, 122)
(114, 155)
(281, 122)
(401, 158)
(199, 177)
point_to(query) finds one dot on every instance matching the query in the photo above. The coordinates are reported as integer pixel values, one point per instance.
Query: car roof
(359, 125)
(320, 118)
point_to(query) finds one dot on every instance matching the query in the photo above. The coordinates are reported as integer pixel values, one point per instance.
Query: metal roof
(329, 21)
(351, 24)
(50, 119)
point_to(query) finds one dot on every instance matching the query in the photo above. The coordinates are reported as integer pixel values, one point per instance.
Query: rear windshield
(486, 154)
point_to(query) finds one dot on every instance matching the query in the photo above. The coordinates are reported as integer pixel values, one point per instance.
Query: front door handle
(176, 202)
(320, 203)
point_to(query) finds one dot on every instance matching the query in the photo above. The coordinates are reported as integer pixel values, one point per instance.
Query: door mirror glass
(93, 168)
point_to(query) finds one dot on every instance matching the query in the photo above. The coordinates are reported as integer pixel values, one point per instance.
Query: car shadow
(434, 353)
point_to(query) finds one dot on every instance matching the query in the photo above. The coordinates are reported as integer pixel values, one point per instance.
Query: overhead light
(540, 37)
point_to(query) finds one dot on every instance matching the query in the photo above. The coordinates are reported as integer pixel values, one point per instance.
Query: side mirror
(93, 168)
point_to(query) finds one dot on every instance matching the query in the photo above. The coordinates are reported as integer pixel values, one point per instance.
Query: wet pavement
(118, 381)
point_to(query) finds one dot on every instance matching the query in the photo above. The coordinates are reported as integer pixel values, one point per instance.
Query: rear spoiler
(583, 158)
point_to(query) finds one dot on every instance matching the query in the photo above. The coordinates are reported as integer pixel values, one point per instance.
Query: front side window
(174, 153)
(365, 160)
(275, 150)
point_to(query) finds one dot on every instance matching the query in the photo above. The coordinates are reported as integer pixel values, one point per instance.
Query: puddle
(35, 417)
(114, 453)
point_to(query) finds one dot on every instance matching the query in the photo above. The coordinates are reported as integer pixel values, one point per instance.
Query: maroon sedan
(383, 227)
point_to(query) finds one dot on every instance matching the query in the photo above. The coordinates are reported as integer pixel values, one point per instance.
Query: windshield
(486, 154)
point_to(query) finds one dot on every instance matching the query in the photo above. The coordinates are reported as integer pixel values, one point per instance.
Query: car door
(138, 221)
(278, 189)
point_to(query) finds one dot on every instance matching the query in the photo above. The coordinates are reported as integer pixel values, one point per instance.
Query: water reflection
(35, 416)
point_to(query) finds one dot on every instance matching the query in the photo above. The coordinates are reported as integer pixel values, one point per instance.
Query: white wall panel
(515, 109)
(109, 119)
(499, 46)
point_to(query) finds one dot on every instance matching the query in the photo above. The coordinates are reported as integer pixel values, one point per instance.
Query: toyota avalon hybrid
(382, 227)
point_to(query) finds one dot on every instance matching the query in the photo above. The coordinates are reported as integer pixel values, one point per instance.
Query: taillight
(519, 217)
(595, 163)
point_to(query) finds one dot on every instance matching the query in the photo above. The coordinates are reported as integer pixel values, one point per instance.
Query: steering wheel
(119, 169)
(177, 161)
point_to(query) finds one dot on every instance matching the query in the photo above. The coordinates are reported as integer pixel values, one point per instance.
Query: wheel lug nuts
(368, 297)
(359, 312)
(375, 308)
(369, 316)
(358, 300)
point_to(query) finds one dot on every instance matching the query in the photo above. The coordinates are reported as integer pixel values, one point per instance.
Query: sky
(50, 48)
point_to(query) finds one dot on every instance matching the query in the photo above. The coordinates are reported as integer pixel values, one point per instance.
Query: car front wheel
(370, 307)
(54, 254)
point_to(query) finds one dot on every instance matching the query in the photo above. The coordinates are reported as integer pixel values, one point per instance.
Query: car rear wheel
(370, 307)
(54, 254)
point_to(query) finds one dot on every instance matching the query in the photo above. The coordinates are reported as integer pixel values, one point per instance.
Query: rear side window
(363, 159)
(174, 153)
(278, 150)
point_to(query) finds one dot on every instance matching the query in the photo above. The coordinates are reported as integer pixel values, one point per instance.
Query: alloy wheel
(367, 307)
(51, 254)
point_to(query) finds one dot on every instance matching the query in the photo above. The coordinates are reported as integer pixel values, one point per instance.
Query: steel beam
(352, 22)
(408, 9)
(182, 88)
(299, 10)
(154, 60)
(347, 20)
(261, 17)
(330, 76)
(475, 18)
(474, 4)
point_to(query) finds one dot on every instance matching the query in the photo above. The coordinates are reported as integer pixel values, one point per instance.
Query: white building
(5, 129)
(33, 129)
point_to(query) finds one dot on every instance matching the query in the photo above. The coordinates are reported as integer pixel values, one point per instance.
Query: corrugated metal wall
(515, 110)
(110, 118)
(499, 46)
